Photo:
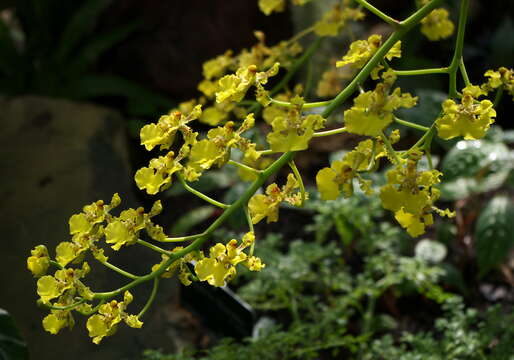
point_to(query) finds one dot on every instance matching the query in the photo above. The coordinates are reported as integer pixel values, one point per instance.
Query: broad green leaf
(141, 101)
(473, 167)
(194, 217)
(79, 26)
(494, 233)
(12, 346)
(91, 51)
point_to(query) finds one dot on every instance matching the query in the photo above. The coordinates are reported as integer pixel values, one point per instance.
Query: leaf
(494, 233)
(141, 101)
(191, 219)
(473, 167)
(9, 57)
(12, 346)
(90, 52)
(79, 25)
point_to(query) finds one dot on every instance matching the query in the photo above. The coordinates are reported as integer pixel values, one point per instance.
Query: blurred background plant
(52, 48)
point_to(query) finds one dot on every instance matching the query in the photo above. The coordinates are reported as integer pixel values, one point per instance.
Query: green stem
(498, 96)
(298, 176)
(183, 238)
(93, 310)
(250, 227)
(463, 72)
(459, 45)
(285, 158)
(244, 167)
(296, 66)
(118, 270)
(67, 307)
(429, 133)
(378, 13)
(267, 152)
(291, 72)
(390, 149)
(405, 27)
(368, 315)
(153, 247)
(443, 70)
(304, 106)
(329, 132)
(201, 195)
(151, 298)
(301, 34)
(410, 124)
(56, 264)
(273, 168)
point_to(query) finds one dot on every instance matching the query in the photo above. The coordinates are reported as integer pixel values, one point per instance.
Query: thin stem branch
(266, 152)
(329, 132)
(244, 167)
(56, 264)
(390, 149)
(301, 34)
(201, 195)
(463, 72)
(67, 307)
(443, 70)
(119, 270)
(298, 176)
(250, 226)
(153, 247)
(151, 298)
(93, 310)
(498, 96)
(183, 238)
(410, 124)
(379, 13)
(273, 168)
(428, 134)
(290, 73)
(459, 45)
(304, 106)
(405, 26)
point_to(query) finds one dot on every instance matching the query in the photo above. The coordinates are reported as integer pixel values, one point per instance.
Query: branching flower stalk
(409, 194)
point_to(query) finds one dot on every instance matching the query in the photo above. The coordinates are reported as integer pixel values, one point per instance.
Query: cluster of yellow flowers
(105, 322)
(469, 119)
(410, 194)
(334, 20)
(226, 106)
(61, 290)
(362, 50)
(266, 205)
(337, 178)
(503, 78)
(372, 111)
(220, 266)
(291, 130)
(437, 25)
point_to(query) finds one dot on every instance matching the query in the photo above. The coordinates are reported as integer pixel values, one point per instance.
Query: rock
(58, 156)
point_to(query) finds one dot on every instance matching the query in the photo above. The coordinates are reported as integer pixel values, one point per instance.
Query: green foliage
(12, 346)
(461, 333)
(331, 309)
(42, 54)
(474, 167)
(494, 233)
